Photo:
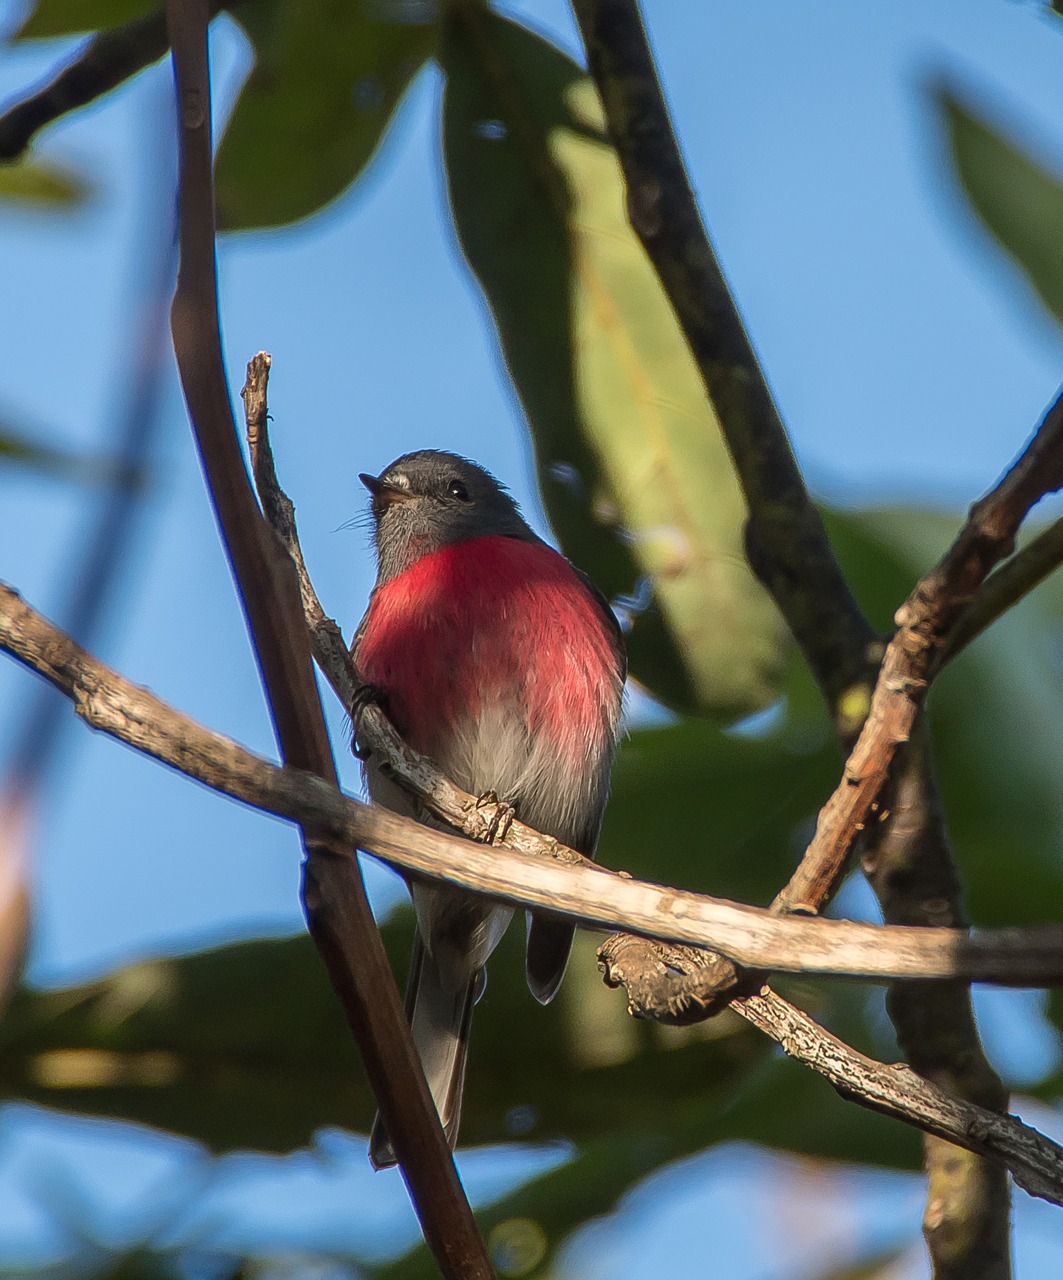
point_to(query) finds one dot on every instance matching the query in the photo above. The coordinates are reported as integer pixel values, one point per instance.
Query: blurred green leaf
(1020, 201)
(328, 76)
(19, 448)
(244, 1046)
(50, 18)
(689, 1106)
(632, 466)
(717, 812)
(192, 1045)
(37, 182)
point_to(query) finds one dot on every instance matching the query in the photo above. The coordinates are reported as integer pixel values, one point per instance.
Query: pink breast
(492, 622)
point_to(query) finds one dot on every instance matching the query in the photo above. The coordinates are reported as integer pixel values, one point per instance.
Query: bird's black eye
(457, 490)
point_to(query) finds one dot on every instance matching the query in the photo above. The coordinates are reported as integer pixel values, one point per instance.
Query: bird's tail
(439, 1019)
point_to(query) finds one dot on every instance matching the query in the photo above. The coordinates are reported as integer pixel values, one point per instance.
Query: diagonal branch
(899, 1092)
(555, 879)
(1007, 585)
(133, 715)
(787, 543)
(912, 659)
(103, 63)
(337, 910)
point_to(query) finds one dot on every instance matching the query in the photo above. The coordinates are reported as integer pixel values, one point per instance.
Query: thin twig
(1036, 1162)
(924, 625)
(338, 914)
(1007, 585)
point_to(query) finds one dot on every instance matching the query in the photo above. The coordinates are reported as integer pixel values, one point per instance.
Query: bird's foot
(365, 696)
(499, 816)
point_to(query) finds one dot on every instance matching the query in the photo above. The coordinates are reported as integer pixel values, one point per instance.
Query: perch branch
(337, 910)
(135, 716)
(567, 885)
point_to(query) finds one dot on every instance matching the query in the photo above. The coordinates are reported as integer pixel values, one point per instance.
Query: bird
(493, 655)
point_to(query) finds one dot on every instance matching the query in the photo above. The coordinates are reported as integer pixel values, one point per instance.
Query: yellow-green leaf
(37, 182)
(50, 18)
(632, 466)
(1017, 198)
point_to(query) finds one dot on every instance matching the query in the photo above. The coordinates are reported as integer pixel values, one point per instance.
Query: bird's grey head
(426, 500)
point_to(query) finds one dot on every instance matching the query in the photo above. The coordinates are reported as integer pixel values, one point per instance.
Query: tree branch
(787, 544)
(565, 884)
(1007, 585)
(105, 62)
(137, 717)
(909, 865)
(1036, 1162)
(337, 910)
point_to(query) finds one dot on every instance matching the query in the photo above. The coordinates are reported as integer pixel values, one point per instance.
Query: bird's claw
(365, 696)
(499, 819)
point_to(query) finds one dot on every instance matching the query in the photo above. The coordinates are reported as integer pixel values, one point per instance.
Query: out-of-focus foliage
(41, 184)
(1019, 201)
(20, 448)
(328, 75)
(327, 78)
(50, 18)
(632, 467)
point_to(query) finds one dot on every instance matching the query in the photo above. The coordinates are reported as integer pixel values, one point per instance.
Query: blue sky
(908, 359)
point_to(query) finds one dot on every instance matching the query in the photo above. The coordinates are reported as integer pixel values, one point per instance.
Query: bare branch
(909, 864)
(1007, 585)
(787, 543)
(103, 63)
(1036, 1162)
(589, 894)
(133, 715)
(337, 910)
(924, 625)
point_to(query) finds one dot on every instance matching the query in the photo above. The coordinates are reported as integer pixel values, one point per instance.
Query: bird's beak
(384, 495)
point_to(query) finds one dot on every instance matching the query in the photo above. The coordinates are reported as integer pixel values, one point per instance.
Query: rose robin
(501, 661)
